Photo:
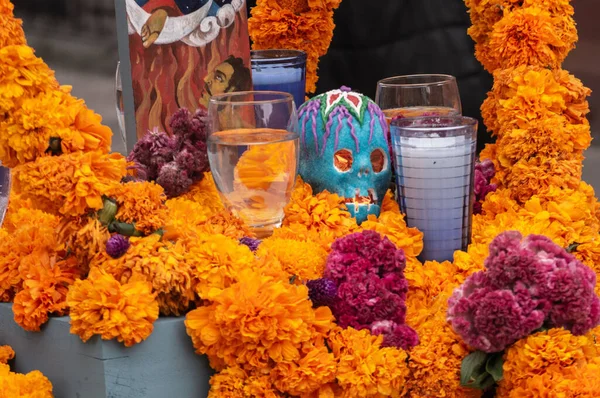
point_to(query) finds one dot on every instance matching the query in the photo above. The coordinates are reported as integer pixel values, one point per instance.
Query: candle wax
(434, 177)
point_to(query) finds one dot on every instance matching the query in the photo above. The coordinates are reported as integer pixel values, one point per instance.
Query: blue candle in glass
(280, 70)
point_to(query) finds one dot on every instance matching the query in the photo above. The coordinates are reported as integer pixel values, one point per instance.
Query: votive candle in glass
(434, 161)
(280, 70)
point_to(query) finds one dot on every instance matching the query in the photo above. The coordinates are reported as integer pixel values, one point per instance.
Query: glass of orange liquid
(253, 150)
(418, 96)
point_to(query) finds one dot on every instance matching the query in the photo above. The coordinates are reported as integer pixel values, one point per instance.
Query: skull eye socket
(342, 160)
(378, 160)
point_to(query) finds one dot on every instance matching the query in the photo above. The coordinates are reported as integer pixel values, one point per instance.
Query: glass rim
(220, 99)
(407, 124)
(443, 79)
(277, 56)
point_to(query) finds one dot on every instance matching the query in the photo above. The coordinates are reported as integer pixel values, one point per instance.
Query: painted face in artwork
(229, 76)
(344, 149)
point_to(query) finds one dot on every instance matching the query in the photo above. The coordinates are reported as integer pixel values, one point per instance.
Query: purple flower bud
(322, 292)
(173, 180)
(117, 246)
(251, 243)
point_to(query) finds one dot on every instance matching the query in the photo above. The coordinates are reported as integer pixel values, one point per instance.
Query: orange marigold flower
(535, 176)
(84, 237)
(226, 223)
(304, 259)
(549, 137)
(205, 193)
(364, 368)
(23, 74)
(389, 204)
(216, 263)
(555, 350)
(70, 184)
(29, 235)
(393, 226)
(527, 93)
(528, 36)
(430, 376)
(254, 322)
(301, 25)
(183, 217)
(12, 31)
(141, 203)
(234, 382)
(101, 305)
(186, 219)
(428, 281)
(6, 354)
(305, 376)
(45, 286)
(163, 264)
(33, 384)
(582, 382)
(324, 213)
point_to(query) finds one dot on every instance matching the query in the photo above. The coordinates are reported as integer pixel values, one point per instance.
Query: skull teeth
(358, 199)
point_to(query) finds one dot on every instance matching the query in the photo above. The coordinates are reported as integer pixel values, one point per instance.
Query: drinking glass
(280, 70)
(4, 191)
(120, 104)
(253, 152)
(418, 95)
(434, 161)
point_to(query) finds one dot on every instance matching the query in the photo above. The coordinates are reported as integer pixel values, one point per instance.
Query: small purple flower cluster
(174, 162)
(117, 246)
(251, 243)
(367, 272)
(528, 284)
(484, 172)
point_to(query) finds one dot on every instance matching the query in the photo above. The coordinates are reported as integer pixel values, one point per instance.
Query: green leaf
(106, 215)
(124, 229)
(573, 247)
(494, 366)
(293, 279)
(472, 368)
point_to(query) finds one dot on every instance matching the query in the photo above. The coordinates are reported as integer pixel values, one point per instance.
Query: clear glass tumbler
(418, 95)
(280, 70)
(253, 152)
(434, 161)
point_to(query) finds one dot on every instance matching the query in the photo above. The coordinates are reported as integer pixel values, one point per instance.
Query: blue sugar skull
(344, 149)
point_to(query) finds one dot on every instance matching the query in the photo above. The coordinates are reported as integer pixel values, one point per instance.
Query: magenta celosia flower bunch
(370, 293)
(174, 162)
(484, 172)
(528, 284)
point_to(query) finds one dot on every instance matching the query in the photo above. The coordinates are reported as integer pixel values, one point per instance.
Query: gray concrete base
(163, 366)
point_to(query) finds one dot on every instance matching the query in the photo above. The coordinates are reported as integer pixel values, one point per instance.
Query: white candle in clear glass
(434, 161)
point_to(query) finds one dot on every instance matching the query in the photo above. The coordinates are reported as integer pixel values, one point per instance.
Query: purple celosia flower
(365, 300)
(395, 335)
(484, 172)
(490, 319)
(173, 180)
(363, 253)
(369, 272)
(528, 282)
(322, 292)
(117, 246)
(251, 243)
